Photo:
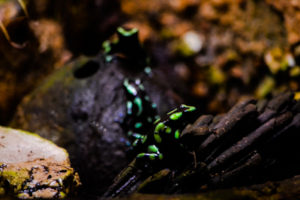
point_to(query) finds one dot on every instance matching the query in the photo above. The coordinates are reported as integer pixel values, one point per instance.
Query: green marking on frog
(157, 120)
(160, 156)
(177, 134)
(159, 126)
(141, 87)
(138, 125)
(134, 144)
(157, 138)
(149, 119)
(138, 136)
(129, 133)
(139, 139)
(106, 46)
(154, 105)
(152, 156)
(147, 70)
(168, 130)
(144, 139)
(152, 149)
(129, 107)
(140, 155)
(108, 58)
(127, 33)
(138, 101)
(147, 98)
(130, 89)
(172, 111)
(176, 116)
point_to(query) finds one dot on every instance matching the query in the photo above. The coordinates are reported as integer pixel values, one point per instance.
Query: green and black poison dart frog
(164, 139)
(152, 136)
(140, 111)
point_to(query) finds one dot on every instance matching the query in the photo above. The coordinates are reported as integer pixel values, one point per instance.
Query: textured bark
(247, 145)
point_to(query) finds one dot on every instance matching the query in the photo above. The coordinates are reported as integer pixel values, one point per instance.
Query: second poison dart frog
(154, 139)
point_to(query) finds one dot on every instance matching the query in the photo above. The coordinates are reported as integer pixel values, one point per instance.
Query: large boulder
(80, 107)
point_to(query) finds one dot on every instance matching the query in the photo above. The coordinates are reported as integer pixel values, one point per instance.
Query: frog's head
(179, 116)
(187, 108)
(126, 46)
(181, 111)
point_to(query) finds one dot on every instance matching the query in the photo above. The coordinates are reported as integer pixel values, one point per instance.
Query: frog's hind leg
(152, 154)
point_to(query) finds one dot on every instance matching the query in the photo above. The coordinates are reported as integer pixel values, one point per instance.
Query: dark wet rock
(81, 106)
(40, 38)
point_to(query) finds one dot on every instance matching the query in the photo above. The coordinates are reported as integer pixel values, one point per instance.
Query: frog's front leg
(139, 140)
(153, 153)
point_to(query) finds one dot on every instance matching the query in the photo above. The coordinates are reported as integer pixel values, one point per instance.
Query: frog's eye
(188, 108)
